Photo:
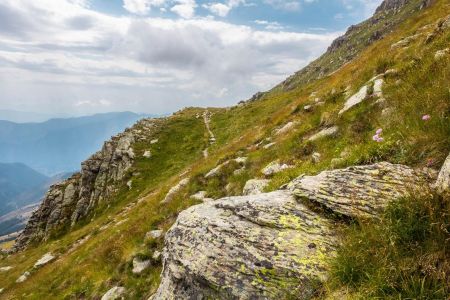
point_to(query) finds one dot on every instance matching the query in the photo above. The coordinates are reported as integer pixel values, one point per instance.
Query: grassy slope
(104, 260)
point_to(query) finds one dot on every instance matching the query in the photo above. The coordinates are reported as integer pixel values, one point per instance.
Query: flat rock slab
(252, 247)
(361, 191)
(48, 257)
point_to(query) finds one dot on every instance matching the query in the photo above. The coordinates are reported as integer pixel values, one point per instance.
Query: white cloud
(141, 7)
(184, 8)
(288, 5)
(66, 55)
(222, 9)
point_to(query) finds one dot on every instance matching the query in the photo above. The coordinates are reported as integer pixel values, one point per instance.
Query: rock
(23, 277)
(130, 184)
(275, 167)
(147, 154)
(441, 54)
(217, 170)
(255, 186)
(156, 255)
(330, 131)
(154, 141)
(357, 98)
(361, 191)
(175, 189)
(378, 88)
(5, 269)
(115, 293)
(154, 234)
(244, 247)
(140, 265)
(316, 157)
(442, 184)
(308, 108)
(391, 72)
(68, 202)
(406, 41)
(241, 160)
(48, 257)
(268, 146)
(199, 195)
(1, 290)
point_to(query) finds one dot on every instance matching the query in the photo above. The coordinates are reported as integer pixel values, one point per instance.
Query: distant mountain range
(59, 145)
(26, 117)
(21, 189)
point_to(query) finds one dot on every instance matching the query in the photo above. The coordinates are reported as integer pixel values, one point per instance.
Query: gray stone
(199, 195)
(441, 54)
(255, 186)
(115, 293)
(327, 132)
(156, 255)
(442, 184)
(316, 157)
(147, 154)
(286, 128)
(274, 168)
(243, 247)
(48, 257)
(23, 277)
(361, 191)
(140, 265)
(154, 234)
(175, 189)
(355, 99)
(6, 269)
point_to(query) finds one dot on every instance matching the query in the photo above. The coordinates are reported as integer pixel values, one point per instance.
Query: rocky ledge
(275, 245)
(68, 202)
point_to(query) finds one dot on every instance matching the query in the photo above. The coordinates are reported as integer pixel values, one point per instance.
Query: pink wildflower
(426, 117)
(379, 131)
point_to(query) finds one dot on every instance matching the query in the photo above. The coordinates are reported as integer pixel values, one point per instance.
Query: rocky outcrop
(443, 182)
(70, 201)
(275, 245)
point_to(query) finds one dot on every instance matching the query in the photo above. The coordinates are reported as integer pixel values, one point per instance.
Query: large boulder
(361, 191)
(252, 247)
(443, 182)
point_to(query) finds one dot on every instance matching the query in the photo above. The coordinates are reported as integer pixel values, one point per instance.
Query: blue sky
(77, 57)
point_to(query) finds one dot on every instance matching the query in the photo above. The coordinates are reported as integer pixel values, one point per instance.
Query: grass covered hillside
(403, 116)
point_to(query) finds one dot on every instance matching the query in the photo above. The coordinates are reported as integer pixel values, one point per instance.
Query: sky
(78, 57)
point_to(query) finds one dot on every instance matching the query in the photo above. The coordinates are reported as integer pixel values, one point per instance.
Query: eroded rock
(48, 257)
(274, 168)
(140, 265)
(175, 189)
(255, 186)
(115, 293)
(361, 191)
(253, 247)
(443, 182)
(327, 132)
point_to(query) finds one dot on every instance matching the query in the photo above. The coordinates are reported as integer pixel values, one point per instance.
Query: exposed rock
(147, 154)
(130, 184)
(378, 87)
(23, 277)
(140, 265)
(156, 255)
(48, 257)
(308, 108)
(268, 146)
(154, 141)
(115, 293)
(217, 170)
(5, 269)
(199, 195)
(405, 42)
(275, 167)
(175, 189)
(68, 202)
(327, 132)
(355, 99)
(441, 54)
(316, 157)
(388, 5)
(255, 186)
(154, 234)
(361, 191)
(244, 248)
(443, 182)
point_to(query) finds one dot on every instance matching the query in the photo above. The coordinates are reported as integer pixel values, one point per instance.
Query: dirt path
(212, 138)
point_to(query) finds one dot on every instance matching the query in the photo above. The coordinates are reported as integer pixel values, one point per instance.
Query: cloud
(59, 55)
(222, 9)
(184, 8)
(284, 5)
(141, 7)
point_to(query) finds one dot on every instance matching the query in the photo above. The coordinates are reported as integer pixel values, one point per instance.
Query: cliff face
(68, 202)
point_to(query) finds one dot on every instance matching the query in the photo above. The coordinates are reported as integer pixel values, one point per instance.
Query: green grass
(403, 255)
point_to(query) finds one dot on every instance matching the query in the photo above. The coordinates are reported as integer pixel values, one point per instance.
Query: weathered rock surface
(48, 257)
(67, 202)
(252, 247)
(6, 269)
(275, 245)
(23, 277)
(175, 189)
(327, 132)
(255, 186)
(274, 168)
(115, 293)
(443, 182)
(140, 265)
(154, 234)
(361, 191)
